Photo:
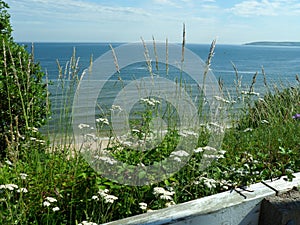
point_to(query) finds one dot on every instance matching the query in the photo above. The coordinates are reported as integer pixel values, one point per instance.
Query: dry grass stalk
(155, 53)
(147, 57)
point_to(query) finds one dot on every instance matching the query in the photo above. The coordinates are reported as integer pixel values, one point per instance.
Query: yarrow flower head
(55, 209)
(163, 194)
(107, 198)
(150, 101)
(95, 197)
(143, 206)
(103, 121)
(50, 199)
(82, 125)
(10, 187)
(23, 176)
(22, 190)
(46, 203)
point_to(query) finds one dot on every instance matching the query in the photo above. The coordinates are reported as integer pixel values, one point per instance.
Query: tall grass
(52, 185)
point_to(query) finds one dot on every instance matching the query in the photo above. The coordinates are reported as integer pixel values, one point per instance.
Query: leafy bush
(23, 94)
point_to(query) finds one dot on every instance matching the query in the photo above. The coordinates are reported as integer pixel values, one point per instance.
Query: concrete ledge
(283, 209)
(227, 208)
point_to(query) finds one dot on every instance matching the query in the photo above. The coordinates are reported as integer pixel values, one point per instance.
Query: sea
(274, 65)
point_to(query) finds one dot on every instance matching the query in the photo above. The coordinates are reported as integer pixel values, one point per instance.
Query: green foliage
(23, 94)
(58, 186)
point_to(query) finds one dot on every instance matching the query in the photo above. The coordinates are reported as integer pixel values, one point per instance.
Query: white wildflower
(103, 193)
(110, 198)
(180, 153)
(83, 125)
(158, 190)
(213, 156)
(210, 183)
(218, 98)
(143, 205)
(248, 129)
(103, 121)
(22, 190)
(249, 93)
(116, 107)
(23, 176)
(222, 152)
(46, 203)
(166, 197)
(205, 149)
(55, 209)
(50, 199)
(150, 101)
(95, 197)
(10, 187)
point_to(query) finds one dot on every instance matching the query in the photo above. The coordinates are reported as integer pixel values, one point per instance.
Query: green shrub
(23, 94)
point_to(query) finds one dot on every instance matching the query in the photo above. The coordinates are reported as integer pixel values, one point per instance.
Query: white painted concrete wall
(227, 208)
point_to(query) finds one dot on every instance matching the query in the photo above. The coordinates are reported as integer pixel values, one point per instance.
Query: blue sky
(230, 21)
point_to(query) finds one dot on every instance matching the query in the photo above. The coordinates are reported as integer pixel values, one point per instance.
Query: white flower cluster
(218, 98)
(83, 125)
(150, 101)
(102, 121)
(107, 198)
(23, 176)
(208, 182)
(143, 206)
(12, 187)
(249, 93)
(210, 152)
(48, 201)
(116, 108)
(177, 154)
(163, 194)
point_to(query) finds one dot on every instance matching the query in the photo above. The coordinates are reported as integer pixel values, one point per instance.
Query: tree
(23, 94)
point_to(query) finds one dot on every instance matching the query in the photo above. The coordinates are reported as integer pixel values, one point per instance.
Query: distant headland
(274, 43)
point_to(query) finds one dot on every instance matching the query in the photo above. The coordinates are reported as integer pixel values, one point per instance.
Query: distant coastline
(274, 43)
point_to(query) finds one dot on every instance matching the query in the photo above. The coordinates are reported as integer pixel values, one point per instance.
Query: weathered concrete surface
(227, 208)
(283, 209)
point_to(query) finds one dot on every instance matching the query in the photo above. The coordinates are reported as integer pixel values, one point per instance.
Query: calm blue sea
(281, 64)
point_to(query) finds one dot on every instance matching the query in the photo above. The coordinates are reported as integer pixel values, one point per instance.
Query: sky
(228, 21)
